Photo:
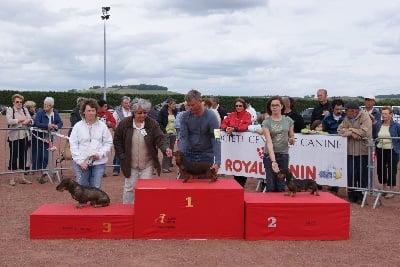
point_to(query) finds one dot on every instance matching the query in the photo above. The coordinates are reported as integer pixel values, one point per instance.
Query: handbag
(66, 153)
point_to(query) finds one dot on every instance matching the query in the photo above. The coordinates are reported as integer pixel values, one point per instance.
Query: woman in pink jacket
(237, 121)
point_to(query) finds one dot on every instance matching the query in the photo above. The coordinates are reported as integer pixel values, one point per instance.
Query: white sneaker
(24, 181)
(12, 182)
(389, 195)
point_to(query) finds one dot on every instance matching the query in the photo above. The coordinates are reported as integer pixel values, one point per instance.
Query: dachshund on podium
(190, 169)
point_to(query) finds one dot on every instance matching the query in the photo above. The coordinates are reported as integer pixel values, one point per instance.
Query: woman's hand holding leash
(275, 166)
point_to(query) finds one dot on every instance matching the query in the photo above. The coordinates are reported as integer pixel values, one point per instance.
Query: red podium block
(52, 221)
(166, 208)
(273, 216)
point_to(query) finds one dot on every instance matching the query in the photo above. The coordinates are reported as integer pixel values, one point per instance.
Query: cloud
(204, 7)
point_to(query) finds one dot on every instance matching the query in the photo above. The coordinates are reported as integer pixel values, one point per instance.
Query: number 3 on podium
(106, 227)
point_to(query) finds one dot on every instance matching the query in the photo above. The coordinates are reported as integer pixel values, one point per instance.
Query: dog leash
(51, 146)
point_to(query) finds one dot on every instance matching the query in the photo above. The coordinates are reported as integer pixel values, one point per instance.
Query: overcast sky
(220, 47)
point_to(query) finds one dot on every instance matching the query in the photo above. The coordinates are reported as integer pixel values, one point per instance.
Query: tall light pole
(105, 17)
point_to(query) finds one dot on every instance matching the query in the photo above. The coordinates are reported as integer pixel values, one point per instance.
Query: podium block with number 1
(166, 208)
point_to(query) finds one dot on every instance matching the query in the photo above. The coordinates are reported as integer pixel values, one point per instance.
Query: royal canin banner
(319, 157)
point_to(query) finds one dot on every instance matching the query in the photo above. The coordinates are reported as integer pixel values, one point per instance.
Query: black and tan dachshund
(295, 185)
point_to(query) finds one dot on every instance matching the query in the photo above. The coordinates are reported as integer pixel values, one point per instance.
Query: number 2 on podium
(271, 222)
(189, 202)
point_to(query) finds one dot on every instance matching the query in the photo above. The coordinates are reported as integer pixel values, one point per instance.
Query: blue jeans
(200, 157)
(116, 164)
(167, 161)
(92, 176)
(272, 183)
(40, 154)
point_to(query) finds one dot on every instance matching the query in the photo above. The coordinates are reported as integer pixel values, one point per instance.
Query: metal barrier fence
(31, 151)
(35, 151)
(367, 172)
(384, 175)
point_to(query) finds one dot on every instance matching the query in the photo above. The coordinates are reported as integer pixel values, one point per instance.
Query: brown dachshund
(84, 194)
(189, 169)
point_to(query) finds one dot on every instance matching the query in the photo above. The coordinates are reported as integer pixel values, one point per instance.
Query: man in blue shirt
(199, 136)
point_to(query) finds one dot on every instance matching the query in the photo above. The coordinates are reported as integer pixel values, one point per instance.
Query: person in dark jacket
(75, 115)
(215, 105)
(137, 139)
(47, 119)
(335, 117)
(323, 107)
(288, 111)
(122, 111)
(166, 119)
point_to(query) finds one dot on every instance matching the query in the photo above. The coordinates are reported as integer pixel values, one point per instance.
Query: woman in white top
(90, 143)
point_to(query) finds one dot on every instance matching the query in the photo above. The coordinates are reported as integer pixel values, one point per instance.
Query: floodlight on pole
(105, 17)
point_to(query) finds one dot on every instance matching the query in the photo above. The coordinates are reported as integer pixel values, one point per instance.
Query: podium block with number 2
(274, 216)
(166, 208)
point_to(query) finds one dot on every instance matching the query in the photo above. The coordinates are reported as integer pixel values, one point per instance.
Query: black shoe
(352, 197)
(43, 179)
(333, 189)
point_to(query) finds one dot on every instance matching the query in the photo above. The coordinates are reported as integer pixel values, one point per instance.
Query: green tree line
(67, 100)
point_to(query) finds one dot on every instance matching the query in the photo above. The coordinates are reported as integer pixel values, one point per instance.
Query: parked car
(396, 113)
(3, 109)
(306, 114)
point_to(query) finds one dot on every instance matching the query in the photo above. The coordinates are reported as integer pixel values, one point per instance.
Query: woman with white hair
(46, 120)
(137, 139)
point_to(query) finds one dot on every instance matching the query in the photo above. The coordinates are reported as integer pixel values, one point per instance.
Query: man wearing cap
(373, 112)
(356, 126)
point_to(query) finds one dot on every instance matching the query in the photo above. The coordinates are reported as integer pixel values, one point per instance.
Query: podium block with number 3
(51, 221)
